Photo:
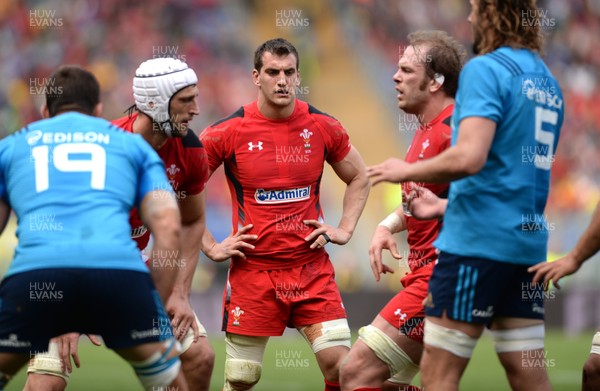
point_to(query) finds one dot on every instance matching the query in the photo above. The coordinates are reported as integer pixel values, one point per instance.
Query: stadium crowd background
(349, 51)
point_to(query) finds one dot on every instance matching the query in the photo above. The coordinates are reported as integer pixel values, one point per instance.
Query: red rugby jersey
(187, 170)
(274, 169)
(429, 140)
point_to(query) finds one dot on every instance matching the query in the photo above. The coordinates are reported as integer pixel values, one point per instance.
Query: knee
(243, 365)
(209, 356)
(591, 368)
(241, 375)
(330, 341)
(394, 361)
(161, 368)
(349, 368)
(199, 358)
(332, 367)
(205, 353)
(46, 372)
(36, 381)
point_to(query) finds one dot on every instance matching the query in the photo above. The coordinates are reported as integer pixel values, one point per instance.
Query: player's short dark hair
(278, 47)
(514, 23)
(72, 88)
(445, 55)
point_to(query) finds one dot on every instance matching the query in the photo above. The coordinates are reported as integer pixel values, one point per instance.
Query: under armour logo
(252, 146)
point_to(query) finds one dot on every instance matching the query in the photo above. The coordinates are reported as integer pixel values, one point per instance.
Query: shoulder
(230, 119)
(318, 114)
(220, 129)
(190, 140)
(126, 122)
(326, 121)
(478, 65)
(501, 61)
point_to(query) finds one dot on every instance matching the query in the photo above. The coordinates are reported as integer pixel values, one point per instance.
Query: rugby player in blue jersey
(506, 123)
(71, 180)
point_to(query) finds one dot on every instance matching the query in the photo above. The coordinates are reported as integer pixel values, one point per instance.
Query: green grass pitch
(290, 366)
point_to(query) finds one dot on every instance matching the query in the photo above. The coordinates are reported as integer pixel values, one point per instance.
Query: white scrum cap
(155, 82)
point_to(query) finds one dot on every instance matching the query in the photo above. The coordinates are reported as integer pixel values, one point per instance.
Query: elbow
(166, 227)
(364, 182)
(470, 166)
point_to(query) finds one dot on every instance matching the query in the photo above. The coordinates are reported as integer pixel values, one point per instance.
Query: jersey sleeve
(444, 140)
(197, 174)
(335, 136)
(478, 88)
(215, 141)
(151, 169)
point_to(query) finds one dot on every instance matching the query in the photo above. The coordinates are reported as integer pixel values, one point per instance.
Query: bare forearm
(445, 167)
(164, 255)
(355, 198)
(160, 213)
(208, 242)
(191, 242)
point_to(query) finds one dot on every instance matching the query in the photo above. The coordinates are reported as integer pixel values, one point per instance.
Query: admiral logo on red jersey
(263, 196)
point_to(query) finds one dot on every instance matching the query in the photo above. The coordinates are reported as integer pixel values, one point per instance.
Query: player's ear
(255, 78)
(97, 111)
(298, 79)
(44, 111)
(437, 82)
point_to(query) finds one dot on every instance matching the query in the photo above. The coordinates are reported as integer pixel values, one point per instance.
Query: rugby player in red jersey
(273, 151)
(391, 346)
(165, 94)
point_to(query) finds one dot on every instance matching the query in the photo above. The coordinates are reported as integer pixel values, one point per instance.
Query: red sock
(329, 386)
(410, 388)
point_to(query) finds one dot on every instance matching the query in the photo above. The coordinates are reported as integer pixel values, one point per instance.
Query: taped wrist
(393, 222)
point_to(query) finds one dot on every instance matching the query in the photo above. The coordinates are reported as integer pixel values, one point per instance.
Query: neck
(272, 111)
(433, 109)
(142, 125)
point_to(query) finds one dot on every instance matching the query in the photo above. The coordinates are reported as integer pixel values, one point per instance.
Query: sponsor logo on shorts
(484, 313)
(13, 342)
(536, 292)
(429, 300)
(135, 334)
(237, 312)
(263, 196)
(538, 309)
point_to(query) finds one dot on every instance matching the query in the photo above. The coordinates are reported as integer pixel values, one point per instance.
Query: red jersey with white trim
(429, 140)
(274, 169)
(187, 170)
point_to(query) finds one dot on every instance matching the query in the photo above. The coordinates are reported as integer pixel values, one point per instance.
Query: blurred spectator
(215, 37)
(572, 29)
